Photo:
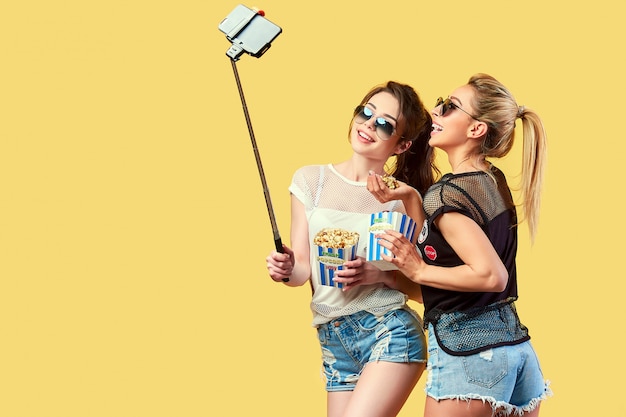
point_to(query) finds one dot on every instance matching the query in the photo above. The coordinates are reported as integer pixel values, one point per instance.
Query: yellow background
(133, 228)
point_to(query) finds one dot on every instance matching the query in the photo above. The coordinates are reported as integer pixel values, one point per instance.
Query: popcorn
(390, 181)
(334, 247)
(336, 238)
(379, 222)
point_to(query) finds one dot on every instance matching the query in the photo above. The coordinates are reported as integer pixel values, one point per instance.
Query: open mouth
(366, 137)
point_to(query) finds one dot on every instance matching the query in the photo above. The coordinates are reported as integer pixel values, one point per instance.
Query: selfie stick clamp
(265, 34)
(248, 31)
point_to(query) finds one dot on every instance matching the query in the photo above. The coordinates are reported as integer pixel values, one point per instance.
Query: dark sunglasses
(384, 128)
(447, 105)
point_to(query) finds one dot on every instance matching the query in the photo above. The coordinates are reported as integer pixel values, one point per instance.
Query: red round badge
(430, 252)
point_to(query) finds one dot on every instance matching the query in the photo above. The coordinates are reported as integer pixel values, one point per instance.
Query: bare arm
(405, 285)
(295, 262)
(482, 270)
(359, 272)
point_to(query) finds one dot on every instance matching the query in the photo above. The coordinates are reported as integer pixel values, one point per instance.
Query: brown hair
(415, 166)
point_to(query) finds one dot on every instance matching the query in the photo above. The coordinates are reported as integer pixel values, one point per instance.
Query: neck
(456, 167)
(357, 171)
(468, 164)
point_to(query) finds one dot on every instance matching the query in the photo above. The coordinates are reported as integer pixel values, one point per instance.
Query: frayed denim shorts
(507, 377)
(350, 342)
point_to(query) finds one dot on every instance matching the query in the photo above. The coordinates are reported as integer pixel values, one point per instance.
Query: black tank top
(487, 200)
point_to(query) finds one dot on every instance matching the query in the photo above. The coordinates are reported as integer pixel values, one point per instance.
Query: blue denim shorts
(507, 377)
(348, 343)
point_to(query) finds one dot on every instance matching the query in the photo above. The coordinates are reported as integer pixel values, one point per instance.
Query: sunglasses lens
(445, 105)
(363, 115)
(384, 128)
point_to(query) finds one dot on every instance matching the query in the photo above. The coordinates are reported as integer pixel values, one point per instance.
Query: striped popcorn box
(379, 222)
(330, 260)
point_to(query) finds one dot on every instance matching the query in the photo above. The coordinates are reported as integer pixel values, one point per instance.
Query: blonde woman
(481, 362)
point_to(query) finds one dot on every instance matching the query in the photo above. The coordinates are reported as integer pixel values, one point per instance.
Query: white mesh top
(331, 200)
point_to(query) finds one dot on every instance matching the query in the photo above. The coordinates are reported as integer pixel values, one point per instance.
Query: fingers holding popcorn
(406, 257)
(334, 247)
(385, 187)
(390, 182)
(358, 273)
(351, 273)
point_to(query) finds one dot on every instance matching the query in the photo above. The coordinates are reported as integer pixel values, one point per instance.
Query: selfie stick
(266, 191)
(234, 52)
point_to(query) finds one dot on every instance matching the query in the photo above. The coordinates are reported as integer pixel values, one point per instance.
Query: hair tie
(520, 111)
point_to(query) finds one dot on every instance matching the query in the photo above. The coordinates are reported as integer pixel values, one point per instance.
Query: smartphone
(248, 31)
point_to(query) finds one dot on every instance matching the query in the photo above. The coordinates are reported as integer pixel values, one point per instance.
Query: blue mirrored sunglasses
(384, 128)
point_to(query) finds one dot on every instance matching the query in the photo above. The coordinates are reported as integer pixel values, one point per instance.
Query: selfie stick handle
(277, 240)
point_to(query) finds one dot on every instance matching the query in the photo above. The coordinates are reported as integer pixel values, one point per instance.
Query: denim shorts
(348, 343)
(507, 377)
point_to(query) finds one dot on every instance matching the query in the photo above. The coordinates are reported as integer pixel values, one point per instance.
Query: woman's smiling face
(370, 134)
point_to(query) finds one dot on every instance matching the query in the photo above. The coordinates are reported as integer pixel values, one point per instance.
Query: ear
(403, 147)
(478, 129)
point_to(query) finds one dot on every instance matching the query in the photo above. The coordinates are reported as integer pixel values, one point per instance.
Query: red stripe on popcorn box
(379, 222)
(331, 260)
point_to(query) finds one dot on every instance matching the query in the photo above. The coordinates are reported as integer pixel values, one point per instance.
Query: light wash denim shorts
(348, 343)
(507, 377)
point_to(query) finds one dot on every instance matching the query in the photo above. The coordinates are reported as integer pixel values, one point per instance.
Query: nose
(370, 123)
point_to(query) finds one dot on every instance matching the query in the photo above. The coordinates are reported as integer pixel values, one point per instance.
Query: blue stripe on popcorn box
(330, 260)
(379, 222)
